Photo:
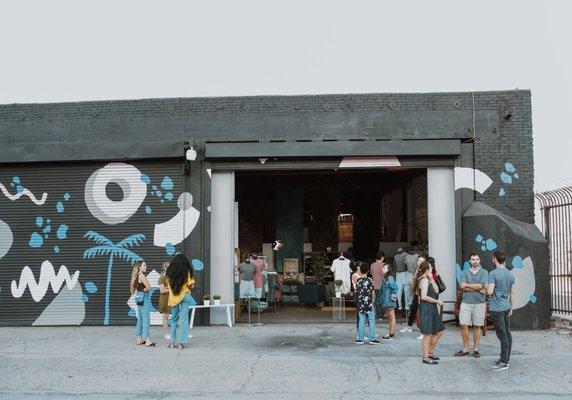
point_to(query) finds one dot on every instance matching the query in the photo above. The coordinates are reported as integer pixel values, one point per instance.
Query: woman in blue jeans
(140, 288)
(181, 281)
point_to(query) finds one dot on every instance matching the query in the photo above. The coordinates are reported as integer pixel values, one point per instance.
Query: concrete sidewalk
(283, 361)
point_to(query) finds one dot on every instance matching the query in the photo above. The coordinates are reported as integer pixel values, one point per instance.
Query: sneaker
(389, 336)
(406, 329)
(167, 336)
(498, 367)
(420, 337)
(374, 342)
(359, 341)
(191, 336)
(498, 362)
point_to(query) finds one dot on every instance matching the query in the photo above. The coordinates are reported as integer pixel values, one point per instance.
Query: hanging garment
(341, 270)
(246, 288)
(258, 281)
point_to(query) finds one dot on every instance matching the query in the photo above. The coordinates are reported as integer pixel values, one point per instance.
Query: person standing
(164, 300)
(430, 321)
(473, 306)
(377, 274)
(140, 287)
(181, 281)
(389, 296)
(501, 291)
(413, 260)
(403, 279)
(365, 297)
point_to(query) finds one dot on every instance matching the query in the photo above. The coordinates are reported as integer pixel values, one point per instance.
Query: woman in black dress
(430, 321)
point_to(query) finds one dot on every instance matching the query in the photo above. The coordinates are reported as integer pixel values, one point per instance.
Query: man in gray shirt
(501, 292)
(402, 279)
(473, 306)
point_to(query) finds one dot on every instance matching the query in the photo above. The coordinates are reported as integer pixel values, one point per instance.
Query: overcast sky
(53, 51)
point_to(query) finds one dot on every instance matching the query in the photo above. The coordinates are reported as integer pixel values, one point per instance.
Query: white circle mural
(6, 238)
(129, 180)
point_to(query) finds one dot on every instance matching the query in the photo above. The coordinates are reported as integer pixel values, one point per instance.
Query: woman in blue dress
(389, 299)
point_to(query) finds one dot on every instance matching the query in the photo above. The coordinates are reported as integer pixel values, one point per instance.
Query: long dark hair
(391, 270)
(431, 261)
(420, 272)
(179, 270)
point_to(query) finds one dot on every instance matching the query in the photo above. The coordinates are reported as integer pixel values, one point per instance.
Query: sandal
(140, 343)
(180, 346)
(429, 360)
(461, 353)
(434, 357)
(476, 354)
(152, 344)
(171, 345)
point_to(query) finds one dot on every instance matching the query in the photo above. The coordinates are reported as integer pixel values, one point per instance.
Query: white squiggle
(47, 277)
(470, 178)
(24, 192)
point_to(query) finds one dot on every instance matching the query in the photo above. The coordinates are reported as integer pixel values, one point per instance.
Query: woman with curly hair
(181, 281)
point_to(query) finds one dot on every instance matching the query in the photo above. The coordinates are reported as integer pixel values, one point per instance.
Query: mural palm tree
(106, 247)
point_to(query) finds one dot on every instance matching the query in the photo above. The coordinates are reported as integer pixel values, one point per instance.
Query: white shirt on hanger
(341, 269)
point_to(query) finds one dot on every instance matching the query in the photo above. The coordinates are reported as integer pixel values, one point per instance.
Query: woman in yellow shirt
(180, 280)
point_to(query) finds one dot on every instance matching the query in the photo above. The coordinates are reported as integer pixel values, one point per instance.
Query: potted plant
(207, 299)
(216, 300)
(339, 283)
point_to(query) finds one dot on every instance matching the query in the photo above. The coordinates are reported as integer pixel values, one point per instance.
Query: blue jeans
(144, 318)
(403, 280)
(361, 325)
(179, 321)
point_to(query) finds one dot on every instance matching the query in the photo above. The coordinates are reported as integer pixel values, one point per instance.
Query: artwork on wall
(67, 308)
(47, 278)
(290, 269)
(507, 177)
(474, 179)
(178, 228)
(6, 238)
(22, 191)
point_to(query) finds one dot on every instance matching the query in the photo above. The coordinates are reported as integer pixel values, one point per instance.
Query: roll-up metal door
(70, 233)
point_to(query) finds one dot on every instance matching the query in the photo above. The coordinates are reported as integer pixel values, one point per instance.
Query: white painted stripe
(369, 162)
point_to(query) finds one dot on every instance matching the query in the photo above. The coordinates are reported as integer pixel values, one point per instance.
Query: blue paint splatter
(167, 183)
(483, 247)
(491, 244)
(506, 178)
(466, 265)
(509, 167)
(170, 249)
(56, 249)
(162, 201)
(132, 313)
(154, 187)
(48, 229)
(49, 221)
(533, 298)
(12, 184)
(19, 188)
(517, 262)
(148, 210)
(169, 196)
(90, 287)
(144, 178)
(62, 232)
(84, 298)
(197, 264)
(16, 180)
(501, 192)
(478, 238)
(458, 273)
(158, 193)
(67, 196)
(60, 207)
(516, 176)
(39, 222)
(36, 240)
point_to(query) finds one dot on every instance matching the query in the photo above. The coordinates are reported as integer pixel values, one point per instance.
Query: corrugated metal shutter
(46, 276)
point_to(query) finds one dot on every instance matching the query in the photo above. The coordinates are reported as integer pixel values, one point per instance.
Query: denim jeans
(144, 317)
(179, 321)
(501, 321)
(361, 326)
(378, 303)
(403, 280)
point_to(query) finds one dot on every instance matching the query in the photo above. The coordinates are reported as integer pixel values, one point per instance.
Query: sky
(105, 50)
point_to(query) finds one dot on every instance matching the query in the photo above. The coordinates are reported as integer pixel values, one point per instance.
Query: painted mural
(66, 255)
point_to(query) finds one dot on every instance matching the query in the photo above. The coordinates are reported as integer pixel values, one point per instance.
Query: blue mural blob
(39, 222)
(506, 178)
(197, 264)
(517, 262)
(12, 184)
(167, 183)
(90, 287)
(532, 298)
(62, 232)
(16, 180)
(479, 238)
(84, 298)
(19, 188)
(48, 229)
(483, 247)
(148, 210)
(56, 249)
(491, 244)
(501, 192)
(36, 240)
(132, 313)
(169, 196)
(154, 187)
(67, 196)
(466, 265)
(49, 221)
(144, 178)
(60, 207)
(170, 249)
(158, 193)
(516, 176)
(458, 273)
(162, 201)
(509, 167)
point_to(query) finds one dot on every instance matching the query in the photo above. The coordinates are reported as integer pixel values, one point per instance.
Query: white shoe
(406, 329)
(168, 337)
(420, 337)
(191, 336)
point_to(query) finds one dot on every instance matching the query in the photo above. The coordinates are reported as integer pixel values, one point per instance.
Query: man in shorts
(473, 306)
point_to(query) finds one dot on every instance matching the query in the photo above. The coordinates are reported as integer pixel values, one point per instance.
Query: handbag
(440, 284)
